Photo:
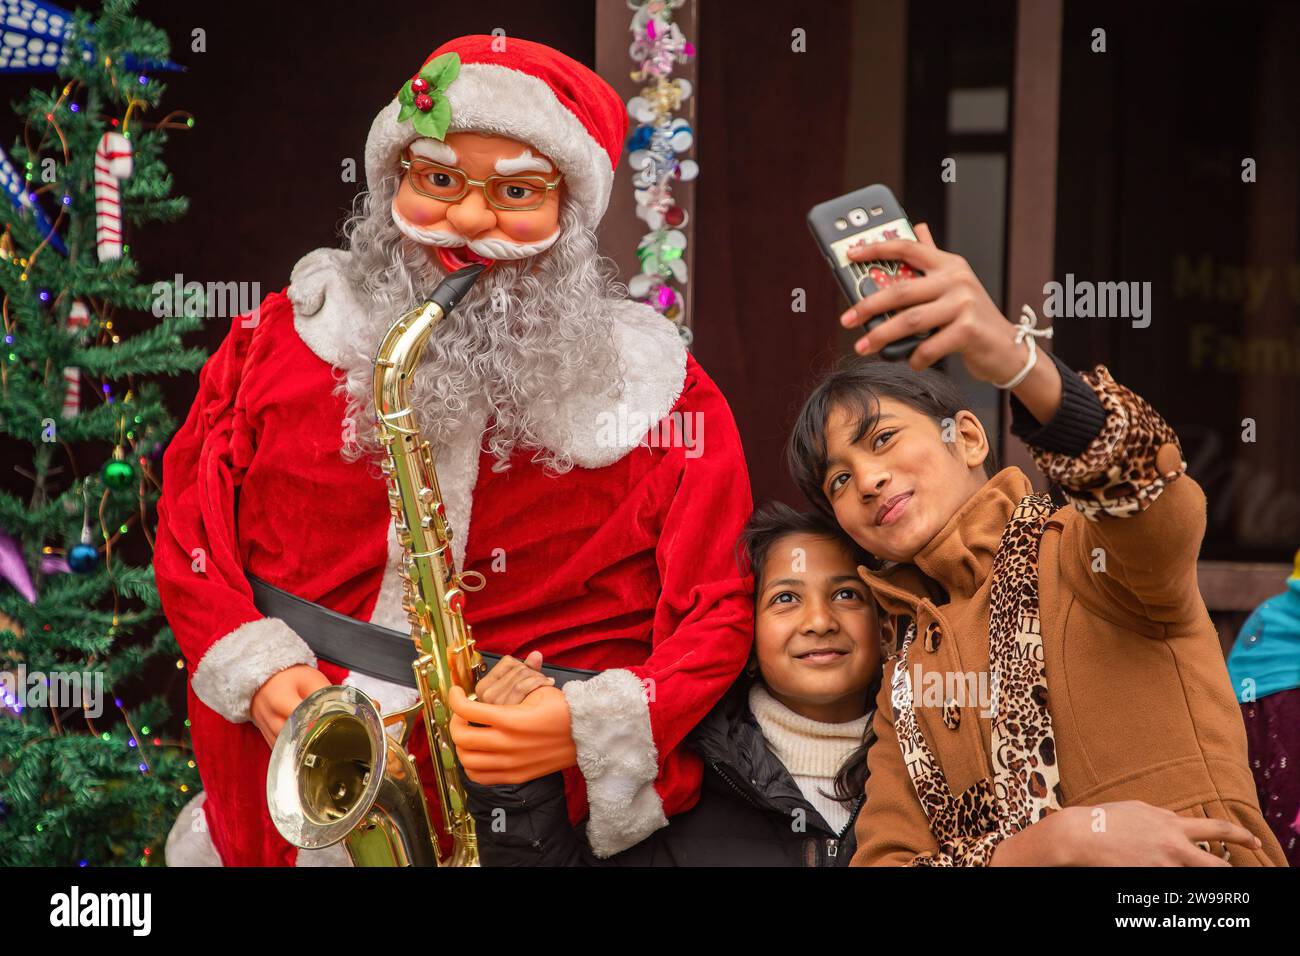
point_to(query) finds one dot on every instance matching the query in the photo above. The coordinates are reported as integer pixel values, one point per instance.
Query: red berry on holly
(424, 102)
(674, 216)
(419, 85)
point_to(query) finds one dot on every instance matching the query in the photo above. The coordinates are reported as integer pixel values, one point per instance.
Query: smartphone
(871, 214)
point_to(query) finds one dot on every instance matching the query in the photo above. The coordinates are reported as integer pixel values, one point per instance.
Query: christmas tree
(93, 765)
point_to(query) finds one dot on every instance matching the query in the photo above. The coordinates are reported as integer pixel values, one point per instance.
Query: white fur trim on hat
(490, 98)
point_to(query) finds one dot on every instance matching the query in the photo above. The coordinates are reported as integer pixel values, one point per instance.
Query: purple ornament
(53, 564)
(14, 569)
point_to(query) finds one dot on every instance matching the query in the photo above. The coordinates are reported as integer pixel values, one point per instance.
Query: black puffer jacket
(750, 812)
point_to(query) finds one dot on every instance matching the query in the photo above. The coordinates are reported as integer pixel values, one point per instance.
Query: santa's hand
(516, 743)
(511, 680)
(949, 301)
(276, 699)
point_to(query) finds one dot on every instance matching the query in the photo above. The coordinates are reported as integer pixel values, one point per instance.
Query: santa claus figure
(590, 469)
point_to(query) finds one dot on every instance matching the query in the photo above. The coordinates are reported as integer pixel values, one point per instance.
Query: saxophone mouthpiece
(453, 288)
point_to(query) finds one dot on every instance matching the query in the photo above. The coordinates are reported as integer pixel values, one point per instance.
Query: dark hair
(857, 386)
(773, 521)
(766, 526)
(851, 778)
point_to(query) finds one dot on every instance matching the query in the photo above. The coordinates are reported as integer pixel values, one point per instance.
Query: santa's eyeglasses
(451, 184)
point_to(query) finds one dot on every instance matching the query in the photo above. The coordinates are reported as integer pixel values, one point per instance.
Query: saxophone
(336, 774)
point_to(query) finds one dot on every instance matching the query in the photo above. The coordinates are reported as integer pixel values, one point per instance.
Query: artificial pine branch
(77, 788)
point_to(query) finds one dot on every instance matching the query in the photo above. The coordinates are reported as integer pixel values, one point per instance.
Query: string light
(35, 191)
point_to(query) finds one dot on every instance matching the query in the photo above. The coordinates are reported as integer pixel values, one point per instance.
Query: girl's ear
(974, 440)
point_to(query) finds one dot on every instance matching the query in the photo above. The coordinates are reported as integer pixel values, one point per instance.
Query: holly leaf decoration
(439, 74)
(435, 122)
(441, 70)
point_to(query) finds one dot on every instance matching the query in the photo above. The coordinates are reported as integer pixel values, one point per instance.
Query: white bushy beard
(550, 335)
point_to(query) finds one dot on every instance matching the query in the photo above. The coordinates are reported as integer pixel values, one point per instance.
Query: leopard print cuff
(962, 851)
(1117, 474)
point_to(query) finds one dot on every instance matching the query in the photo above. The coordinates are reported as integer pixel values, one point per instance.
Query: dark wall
(1153, 136)
(771, 146)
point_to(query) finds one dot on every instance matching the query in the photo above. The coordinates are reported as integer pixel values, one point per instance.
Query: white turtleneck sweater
(812, 751)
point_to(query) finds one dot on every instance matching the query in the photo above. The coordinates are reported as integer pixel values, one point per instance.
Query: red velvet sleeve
(628, 724)
(229, 646)
(704, 621)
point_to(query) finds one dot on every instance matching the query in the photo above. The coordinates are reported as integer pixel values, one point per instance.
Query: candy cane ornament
(78, 319)
(112, 164)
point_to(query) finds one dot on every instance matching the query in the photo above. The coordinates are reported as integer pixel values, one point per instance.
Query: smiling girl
(785, 749)
(1060, 695)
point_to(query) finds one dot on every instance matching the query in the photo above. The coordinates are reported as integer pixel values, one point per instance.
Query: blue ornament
(83, 558)
(640, 137)
(34, 37)
(15, 187)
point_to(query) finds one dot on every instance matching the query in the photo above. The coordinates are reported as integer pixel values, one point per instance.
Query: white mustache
(487, 248)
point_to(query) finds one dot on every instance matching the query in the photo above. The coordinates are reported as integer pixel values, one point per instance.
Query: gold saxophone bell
(336, 775)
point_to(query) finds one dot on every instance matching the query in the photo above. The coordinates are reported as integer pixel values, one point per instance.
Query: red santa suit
(623, 565)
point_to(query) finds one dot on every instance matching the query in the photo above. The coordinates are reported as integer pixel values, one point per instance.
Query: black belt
(359, 645)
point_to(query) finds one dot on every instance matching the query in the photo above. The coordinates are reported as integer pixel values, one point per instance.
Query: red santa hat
(529, 92)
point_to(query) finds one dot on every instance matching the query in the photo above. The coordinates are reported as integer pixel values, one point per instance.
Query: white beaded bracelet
(1027, 331)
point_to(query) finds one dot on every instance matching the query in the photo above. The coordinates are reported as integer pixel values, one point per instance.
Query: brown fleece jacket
(1138, 692)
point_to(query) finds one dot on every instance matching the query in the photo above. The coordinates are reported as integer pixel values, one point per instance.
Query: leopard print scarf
(1026, 781)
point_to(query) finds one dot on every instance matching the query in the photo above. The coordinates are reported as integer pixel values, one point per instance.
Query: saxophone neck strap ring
(466, 577)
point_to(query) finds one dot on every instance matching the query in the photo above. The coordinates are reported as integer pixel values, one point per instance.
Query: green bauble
(119, 475)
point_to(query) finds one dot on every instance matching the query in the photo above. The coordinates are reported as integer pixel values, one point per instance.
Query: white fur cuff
(188, 842)
(238, 664)
(610, 723)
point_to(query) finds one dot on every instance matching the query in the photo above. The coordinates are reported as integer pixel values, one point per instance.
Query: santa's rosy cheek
(418, 212)
(528, 229)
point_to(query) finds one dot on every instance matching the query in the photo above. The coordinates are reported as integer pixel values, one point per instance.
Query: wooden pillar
(1031, 220)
